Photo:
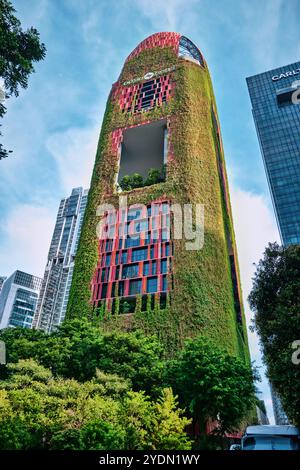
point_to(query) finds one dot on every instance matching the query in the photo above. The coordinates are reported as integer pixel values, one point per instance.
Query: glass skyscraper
(18, 300)
(57, 280)
(277, 122)
(2, 279)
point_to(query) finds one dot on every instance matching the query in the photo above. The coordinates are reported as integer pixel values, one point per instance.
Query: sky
(53, 126)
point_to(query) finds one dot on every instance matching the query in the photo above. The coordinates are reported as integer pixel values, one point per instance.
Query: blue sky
(53, 126)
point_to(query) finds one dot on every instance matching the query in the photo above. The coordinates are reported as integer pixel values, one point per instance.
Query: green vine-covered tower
(160, 145)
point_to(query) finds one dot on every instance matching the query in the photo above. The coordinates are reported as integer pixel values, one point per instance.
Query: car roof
(274, 430)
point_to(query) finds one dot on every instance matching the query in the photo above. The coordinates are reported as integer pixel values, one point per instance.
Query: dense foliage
(126, 379)
(18, 50)
(39, 411)
(212, 385)
(129, 182)
(275, 299)
(78, 348)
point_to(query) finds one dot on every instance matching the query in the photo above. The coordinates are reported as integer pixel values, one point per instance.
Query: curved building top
(181, 45)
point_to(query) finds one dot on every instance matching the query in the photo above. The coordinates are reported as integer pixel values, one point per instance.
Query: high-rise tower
(277, 117)
(160, 146)
(18, 300)
(57, 279)
(277, 120)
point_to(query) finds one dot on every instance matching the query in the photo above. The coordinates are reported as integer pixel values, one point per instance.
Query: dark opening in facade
(143, 148)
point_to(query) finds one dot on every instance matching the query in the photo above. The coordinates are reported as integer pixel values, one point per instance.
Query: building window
(124, 257)
(163, 266)
(146, 268)
(165, 234)
(164, 283)
(139, 254)
(189, 50)
(121, 288)
(152, 284)
(165, 207)
(135, 287)
(107, 260)
(154, 267)
(104, 291)
(109, 244)
(130, 270)
(132, 241)
(167, 249)
(155, 235)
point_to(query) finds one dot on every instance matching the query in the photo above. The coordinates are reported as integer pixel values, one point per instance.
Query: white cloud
(28, 230)
(255, 227)
(173, 15)
(74, 152)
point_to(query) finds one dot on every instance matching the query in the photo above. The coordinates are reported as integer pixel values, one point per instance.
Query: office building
(59, 269)
(18, 300)
(2, 279)
(160, 146)
(279, 413)
(274, 96)
(277, 121)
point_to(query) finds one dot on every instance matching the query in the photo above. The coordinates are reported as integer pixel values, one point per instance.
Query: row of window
(135, 287)
(136, 240)
(137, 254)
(128, 271)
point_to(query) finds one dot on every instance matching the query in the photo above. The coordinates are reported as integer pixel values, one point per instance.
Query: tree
(125, 183)
(40, 411)
(275, 300)
(136, 180)
(78, 348)
(18, 51)
(170, 425)
(212, 385)
(154, 177)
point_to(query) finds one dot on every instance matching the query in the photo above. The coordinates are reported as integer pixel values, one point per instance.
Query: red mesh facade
(144, 96)
(135, 253)
(157, 40)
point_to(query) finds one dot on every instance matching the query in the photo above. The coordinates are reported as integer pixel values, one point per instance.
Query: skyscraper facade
(2, 279)
(18, 300)
(277, 121)
(279, 413)
(160, 150)
(57, 279)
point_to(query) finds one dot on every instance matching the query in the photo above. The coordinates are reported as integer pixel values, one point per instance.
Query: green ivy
(202, 299)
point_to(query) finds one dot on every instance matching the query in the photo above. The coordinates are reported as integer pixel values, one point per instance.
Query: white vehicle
(269, 437)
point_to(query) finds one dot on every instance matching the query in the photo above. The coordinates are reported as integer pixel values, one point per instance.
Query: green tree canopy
(78, 348)
(213, 385)
(275, 300)
(40, 411)
(18, 51)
